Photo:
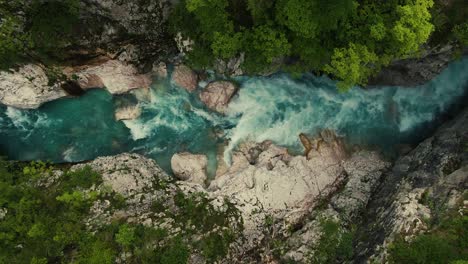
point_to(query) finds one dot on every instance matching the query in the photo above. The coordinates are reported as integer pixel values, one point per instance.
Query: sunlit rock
(217, 95)
(28, 87)
(185, 77)
(190, 167)
(116, 76)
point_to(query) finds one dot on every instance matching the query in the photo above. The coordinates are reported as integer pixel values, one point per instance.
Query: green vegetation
(43, 220)
(335, 244)
(349, 39)
(39, 30)
(446, 242)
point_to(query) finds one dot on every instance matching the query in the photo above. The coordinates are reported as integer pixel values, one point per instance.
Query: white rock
(217, 95)
(190, 167)
(126, 173)
(278, 184)
(27, 87)
(116, 76)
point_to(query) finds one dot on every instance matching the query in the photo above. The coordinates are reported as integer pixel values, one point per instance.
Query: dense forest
(41, 225)
(44, 212)
(348, 39)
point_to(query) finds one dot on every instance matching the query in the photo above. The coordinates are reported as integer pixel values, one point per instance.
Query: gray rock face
(266, 182)
(232, 67)
(364, 170)
(217, 95)
(184, 77)
(27, 88)
(133, 29)
(436, 168)
(413, 72)
(126, 173)
(190, 167)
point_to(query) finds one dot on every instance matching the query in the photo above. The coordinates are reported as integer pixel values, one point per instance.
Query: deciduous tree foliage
(349, 39)
(35, 30)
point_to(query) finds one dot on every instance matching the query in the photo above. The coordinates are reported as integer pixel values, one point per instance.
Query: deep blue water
(277, 108)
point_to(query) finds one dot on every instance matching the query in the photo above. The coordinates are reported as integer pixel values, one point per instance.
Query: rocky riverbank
(282, 200)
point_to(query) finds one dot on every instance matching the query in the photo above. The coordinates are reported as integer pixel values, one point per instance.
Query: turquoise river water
(274, 108)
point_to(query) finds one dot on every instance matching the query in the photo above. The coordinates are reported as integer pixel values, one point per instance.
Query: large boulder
(126, 173)
(217, 95)
(117, 77)
(28, 87)
(190, 167)
(185, 77)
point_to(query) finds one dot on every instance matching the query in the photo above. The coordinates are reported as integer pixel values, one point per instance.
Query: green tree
(35, 30)
(461, 33)
(125, 236)
(226, 45)
(307, 18)
(413, 27)
(264, 44)
(352, 65)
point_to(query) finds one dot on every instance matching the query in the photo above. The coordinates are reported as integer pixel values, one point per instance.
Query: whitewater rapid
(276, 108)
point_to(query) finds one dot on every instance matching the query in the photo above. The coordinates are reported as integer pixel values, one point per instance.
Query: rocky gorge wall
(279, 196)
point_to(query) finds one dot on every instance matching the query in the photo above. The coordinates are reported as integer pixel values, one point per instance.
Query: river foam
(279, 108)
(275, 108)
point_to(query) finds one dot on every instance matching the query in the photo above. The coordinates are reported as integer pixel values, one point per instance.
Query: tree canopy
(36, 30)
(349, 39)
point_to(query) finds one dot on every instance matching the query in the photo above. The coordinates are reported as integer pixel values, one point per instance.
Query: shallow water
(277, 108)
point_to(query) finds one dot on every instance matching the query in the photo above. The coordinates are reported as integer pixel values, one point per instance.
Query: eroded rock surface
(190, 167)
(415, 71)
(435, 171)
(217, 95)
(116, 76)
(126, 173)
(28, 87)
(185, 77)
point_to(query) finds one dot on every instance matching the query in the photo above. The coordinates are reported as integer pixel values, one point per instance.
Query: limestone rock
(231, 67)
(27, 87)
(184, 77)
(415, 71)
(190, 167)
(217, 95)
(126, 173)
(135, 31)
(364, 170)
(435, 168)
(128, 112)
(278, 185)
(117, 77)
